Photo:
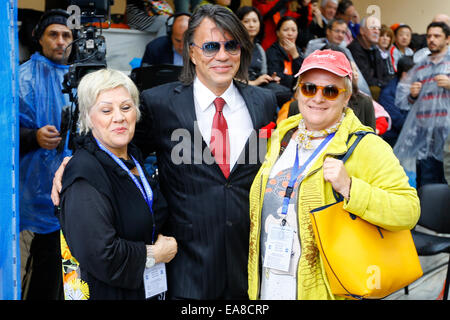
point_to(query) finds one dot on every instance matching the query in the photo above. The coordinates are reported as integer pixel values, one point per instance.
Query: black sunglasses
(211, 48)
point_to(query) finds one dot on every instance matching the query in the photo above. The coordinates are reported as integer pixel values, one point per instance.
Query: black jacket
(106, 222)
(208, 214)
(276, 56)
(158, 51)
(369, 61)
(362, 106)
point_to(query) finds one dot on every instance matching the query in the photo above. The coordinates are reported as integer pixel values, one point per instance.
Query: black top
(276, 56)
(370, 63)
(28, 140)
(106, 222)
(362, 106)
(158, 51)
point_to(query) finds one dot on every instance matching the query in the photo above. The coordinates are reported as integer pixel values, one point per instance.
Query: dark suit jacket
(158, 51)
(208, 214)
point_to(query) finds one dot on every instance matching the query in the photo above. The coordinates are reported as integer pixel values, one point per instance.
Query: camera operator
(40, 104)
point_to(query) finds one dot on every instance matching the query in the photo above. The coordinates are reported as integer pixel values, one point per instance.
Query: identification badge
(279, 247)
(155, 280)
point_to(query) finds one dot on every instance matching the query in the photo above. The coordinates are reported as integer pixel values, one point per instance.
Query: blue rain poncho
(40, 103)
(428, 122)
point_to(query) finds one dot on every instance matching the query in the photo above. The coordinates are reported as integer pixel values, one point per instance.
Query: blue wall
(9, 161)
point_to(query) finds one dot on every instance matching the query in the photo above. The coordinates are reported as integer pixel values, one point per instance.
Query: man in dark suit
(208, 205)
(209, 146)
(168, 49)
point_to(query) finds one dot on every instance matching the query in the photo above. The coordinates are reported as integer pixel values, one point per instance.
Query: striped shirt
(428, 122)
(137, 16)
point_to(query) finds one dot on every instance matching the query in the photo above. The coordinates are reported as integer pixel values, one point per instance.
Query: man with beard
(421, 142)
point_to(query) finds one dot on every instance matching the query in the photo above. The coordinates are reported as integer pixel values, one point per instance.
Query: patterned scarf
(304, 136)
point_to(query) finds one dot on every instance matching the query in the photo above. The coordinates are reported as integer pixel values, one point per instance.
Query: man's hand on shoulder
(57, 181)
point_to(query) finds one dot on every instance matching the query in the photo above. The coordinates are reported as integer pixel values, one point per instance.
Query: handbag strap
(285, 141)
(359, 135)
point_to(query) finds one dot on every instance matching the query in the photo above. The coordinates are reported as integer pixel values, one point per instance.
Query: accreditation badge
(279, 247)
(155, 280)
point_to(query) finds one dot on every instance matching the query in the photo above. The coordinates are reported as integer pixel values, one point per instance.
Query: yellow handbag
(362, 260)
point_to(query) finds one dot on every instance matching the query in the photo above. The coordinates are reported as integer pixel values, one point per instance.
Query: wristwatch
(150, 262)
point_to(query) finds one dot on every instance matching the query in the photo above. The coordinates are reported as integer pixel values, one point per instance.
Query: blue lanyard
(147, 192)
(295, 173)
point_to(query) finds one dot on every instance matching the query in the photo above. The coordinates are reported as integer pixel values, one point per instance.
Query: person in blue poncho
(40, 104)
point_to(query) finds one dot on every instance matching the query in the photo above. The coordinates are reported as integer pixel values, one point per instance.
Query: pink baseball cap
(332, 61)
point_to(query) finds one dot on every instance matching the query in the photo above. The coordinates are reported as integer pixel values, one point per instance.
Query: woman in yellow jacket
(300, 173)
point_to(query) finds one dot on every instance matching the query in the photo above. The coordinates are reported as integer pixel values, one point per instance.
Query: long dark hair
(245, 10)
(226, 21)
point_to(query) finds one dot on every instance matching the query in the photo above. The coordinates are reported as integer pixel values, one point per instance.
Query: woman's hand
(164, 249)
(290, 48)
(264, 78)
(335, 173)
(275, 78)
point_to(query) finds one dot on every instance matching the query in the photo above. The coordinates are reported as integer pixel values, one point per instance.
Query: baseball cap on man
(332, 61)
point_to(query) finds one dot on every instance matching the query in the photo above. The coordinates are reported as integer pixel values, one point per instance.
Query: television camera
(86, 19)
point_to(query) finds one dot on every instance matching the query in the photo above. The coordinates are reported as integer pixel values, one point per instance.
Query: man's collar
(207, 96)
(437, 58)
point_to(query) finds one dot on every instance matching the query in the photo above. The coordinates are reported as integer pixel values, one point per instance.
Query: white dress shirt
(235, 112)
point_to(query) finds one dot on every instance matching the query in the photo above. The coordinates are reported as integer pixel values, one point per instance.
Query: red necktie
(220, 142)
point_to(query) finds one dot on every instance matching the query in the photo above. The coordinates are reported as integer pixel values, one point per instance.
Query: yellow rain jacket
(380, 193)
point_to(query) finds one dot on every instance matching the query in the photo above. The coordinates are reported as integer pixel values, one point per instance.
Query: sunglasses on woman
(329, 92)
(211, 48)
